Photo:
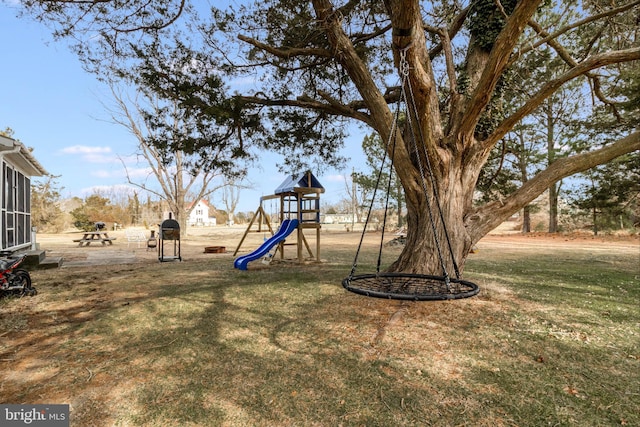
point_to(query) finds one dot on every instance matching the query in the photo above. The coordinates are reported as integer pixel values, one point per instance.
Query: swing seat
(412, 287)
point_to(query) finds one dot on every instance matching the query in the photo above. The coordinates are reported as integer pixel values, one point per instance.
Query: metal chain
(409, 101)
(410, 121)
(375, 191)
(434, 191)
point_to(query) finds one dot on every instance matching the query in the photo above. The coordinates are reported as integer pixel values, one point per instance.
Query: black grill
(170, 230)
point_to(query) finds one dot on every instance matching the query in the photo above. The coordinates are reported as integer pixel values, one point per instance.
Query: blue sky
(56, 108)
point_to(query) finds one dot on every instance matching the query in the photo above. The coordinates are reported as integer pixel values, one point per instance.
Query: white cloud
(140, 172)
(85, 149)
(120, 173)
(91, 154)
(101, 173)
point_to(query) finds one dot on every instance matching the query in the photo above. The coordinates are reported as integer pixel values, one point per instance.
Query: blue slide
(287, 227)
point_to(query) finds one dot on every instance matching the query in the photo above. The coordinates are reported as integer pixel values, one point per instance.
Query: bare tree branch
(566, 57)
(169, 176)
(577, 24)
(453, 81)
(453, 30)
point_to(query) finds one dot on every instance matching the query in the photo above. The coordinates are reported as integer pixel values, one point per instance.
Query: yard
(553, 338)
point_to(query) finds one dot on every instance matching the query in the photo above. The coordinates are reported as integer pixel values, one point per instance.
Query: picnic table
(95, 237)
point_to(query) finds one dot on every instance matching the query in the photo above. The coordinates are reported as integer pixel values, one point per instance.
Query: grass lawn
(553, 339)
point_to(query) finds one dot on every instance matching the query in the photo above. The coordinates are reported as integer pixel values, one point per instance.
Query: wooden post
(260, 215)
(300, 231)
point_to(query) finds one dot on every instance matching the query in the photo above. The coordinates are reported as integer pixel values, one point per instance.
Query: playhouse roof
(301, 183)
(19, 155)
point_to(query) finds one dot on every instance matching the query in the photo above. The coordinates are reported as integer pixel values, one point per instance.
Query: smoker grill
(169, 233)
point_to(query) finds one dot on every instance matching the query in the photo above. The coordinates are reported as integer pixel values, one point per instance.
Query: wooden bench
(87, 242)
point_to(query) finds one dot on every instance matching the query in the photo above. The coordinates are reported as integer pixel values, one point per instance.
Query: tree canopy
(315, 67)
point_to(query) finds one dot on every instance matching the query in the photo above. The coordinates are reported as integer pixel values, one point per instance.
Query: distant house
(18, 166)
(199, 215)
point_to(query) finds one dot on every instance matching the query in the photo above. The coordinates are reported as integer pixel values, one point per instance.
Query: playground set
(298, 203)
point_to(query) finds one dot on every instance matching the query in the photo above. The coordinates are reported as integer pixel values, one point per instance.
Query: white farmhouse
(199, 215)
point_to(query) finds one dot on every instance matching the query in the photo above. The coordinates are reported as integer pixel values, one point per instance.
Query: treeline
(51, 213)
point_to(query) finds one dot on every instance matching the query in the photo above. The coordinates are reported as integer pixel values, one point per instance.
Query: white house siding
(199, 215)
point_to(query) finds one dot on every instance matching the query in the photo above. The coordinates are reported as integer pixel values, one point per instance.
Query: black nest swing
(410, 286)
(407, 286)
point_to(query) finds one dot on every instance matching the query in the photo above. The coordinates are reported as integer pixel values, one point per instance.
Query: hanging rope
(405, 285)
(392, 136)
(406, 87)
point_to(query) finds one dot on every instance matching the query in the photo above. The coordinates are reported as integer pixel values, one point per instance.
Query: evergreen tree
(610, 195)
(317, 66)
(46, 214)
(386, 179)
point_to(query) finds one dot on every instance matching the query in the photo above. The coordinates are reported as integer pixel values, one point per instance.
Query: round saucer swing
(410, 286)
(407, 286)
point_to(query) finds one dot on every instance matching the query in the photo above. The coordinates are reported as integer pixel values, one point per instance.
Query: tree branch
(409, 38)
(489, 216)
(572, 26)
(453, 82)
(286, 53)
(360, 38)
(496, 64)
(549, 88)
(346, 55)
(334, 107)
(455, 27)
(568, 59)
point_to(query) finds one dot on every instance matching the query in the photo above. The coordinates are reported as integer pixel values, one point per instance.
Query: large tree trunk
(453, 152)
(437, 239)
(452, 149)
(466, 224)
(401, 221)
(424, 253)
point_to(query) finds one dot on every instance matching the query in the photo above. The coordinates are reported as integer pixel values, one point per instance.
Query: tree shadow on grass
(202, 344)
